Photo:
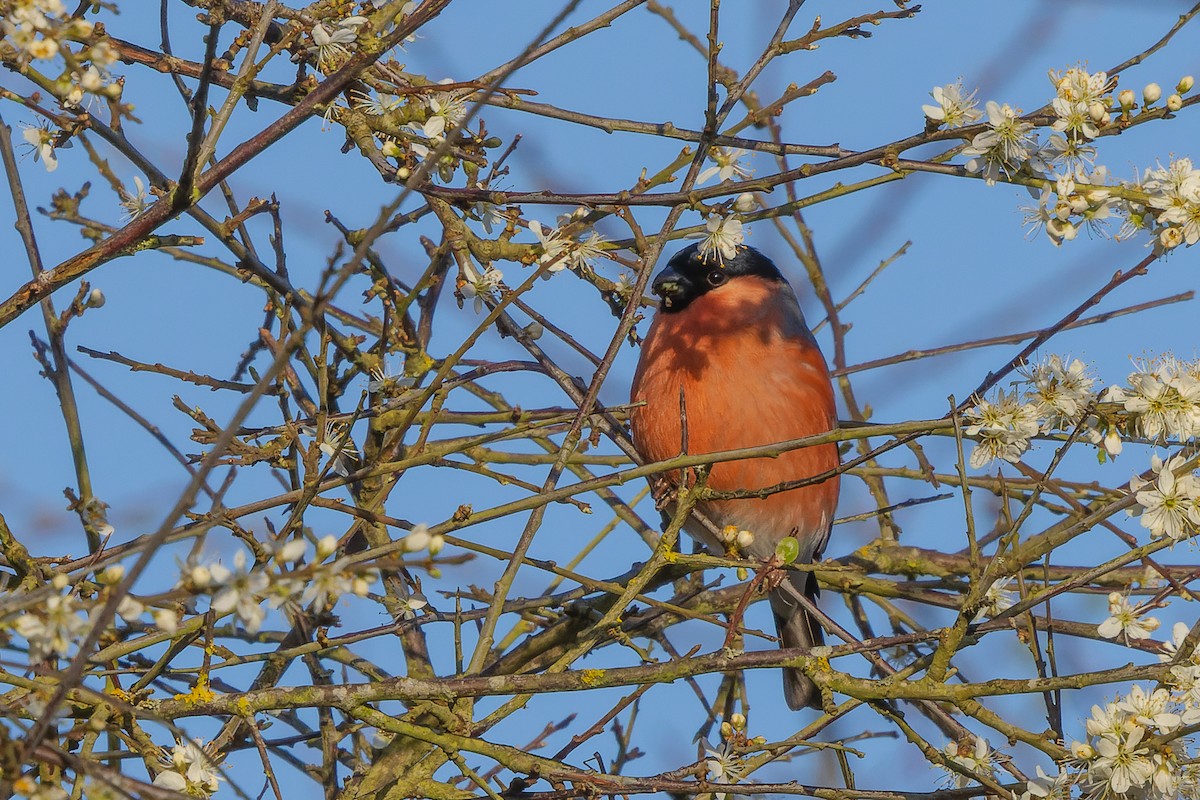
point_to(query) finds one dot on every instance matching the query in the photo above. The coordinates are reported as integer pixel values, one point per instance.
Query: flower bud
(95, 299)
(417, 539)
(200, 576)
(726, 730)
(129, 609)
(1125, 98)
(745, 203)
(1170, 238)
(166, 620)
(1174, 102)
(326, 547)
(360, 586)
(744, 539)
(1185, 84)
(729, 533)
(59, 581)
(1151, 93)
(291, 551)
(738, 721)
(788, 549)
(112, 574)
(45, 48)
(436, 543)
(1112, 443)
(1098, 112)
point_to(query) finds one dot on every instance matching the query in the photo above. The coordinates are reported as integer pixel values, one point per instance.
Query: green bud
(788, 549)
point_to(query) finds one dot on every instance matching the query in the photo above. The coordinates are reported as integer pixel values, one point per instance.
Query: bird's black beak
(671, 286)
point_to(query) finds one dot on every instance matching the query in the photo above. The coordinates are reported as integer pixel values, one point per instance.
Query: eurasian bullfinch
(730, 335)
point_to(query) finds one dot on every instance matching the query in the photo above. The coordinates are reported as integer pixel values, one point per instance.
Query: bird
(729, 348)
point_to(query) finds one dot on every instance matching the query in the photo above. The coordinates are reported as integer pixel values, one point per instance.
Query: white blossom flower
(336, 445)
(1125, 620)
(1121, 762)
(375, 103)
(1060, 391)
(1150, 709)
(555, 245)
(41, 139)
(1004, 426)
(409, 606)
(723, 766)
(446, 110)
(998, 598)
(135, 203)
(560, 251)
(1077, 85)
(1044, 786)
(332, 44)
(382, 380)
(727, 165)
(242, 591)
(327, 583)
(973, 756)
(722, 237)
(586, 252)
(623, 284)
(1074, 119)
(483, 286)
(1179, 632)
(953, 108)
(1169, 505)
(189, 769)
(488, 214)
(1004, 146)
(53, 627)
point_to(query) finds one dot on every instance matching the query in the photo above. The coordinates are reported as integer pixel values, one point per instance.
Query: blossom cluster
(1052, 395)
(1072, 192)
(44, 33)
(189, 768)
(1133, 747)
(1168, 504)
(287, 574)
(1162, 397)
(1160, 401)
(562, 249)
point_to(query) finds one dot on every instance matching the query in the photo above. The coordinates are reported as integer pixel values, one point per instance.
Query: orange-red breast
(730, 334)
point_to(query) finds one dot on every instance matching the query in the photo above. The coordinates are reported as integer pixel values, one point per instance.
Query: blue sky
(970, 273)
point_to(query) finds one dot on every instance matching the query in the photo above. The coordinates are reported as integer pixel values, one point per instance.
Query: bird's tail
(797, 628)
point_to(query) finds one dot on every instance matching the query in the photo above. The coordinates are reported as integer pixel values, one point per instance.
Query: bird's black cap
(691, 273)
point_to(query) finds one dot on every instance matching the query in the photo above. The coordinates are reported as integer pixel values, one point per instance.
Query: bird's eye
(716, 277)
